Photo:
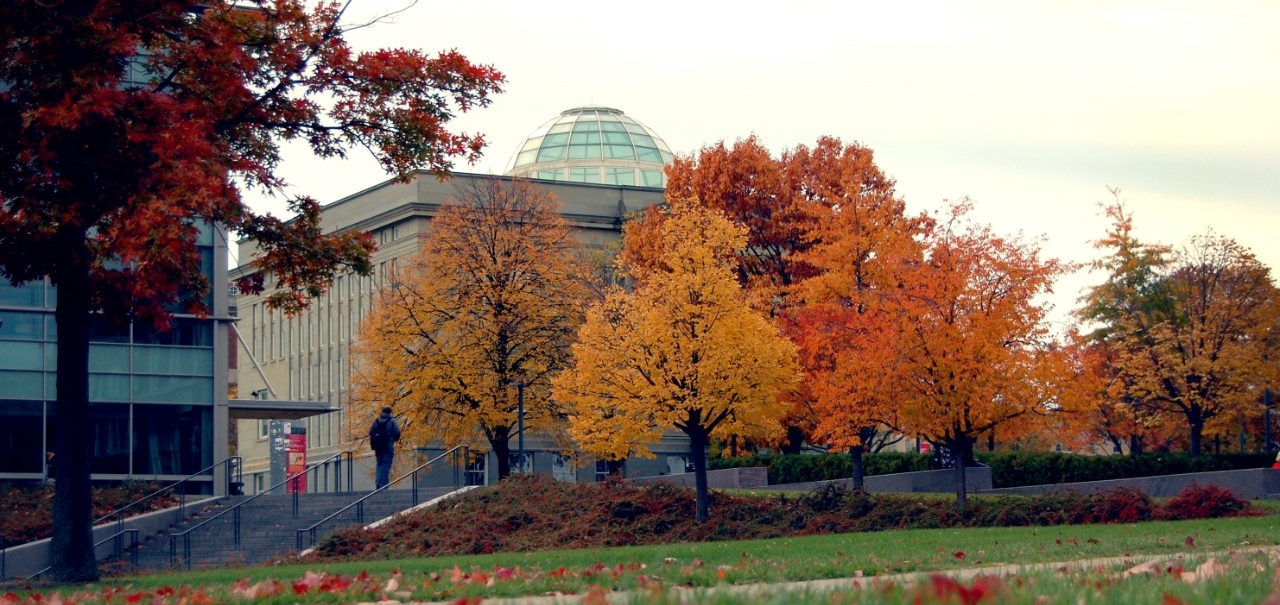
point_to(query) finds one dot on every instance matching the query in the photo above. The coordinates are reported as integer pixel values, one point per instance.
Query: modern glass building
(157, 398)
(593, 145)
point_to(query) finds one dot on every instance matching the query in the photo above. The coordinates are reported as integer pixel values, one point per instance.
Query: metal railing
(233, 478)
(118, 538)
(231, 468)
(307, 535)
(335, 460)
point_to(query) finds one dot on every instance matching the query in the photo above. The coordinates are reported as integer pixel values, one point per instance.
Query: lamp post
(1266, 421)
(520, 423)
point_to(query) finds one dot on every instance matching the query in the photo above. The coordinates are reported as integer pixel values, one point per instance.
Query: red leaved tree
(127, 125)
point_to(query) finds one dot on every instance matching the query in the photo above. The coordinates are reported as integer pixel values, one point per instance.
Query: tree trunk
(859, 467)
(71, 553)
(1135, 445)
(698, 457)
(1197, 434)
(962, 453)
(794, 442)
(502, 451)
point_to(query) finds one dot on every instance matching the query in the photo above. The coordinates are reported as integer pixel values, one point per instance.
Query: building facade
(305, 358)
(599, 162)
(158, 399)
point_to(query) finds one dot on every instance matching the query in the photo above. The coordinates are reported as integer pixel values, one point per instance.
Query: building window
(170, 439)
(603, 470)
(620, 176)
(524, 468)
(584, 175)
(562, 469)
(476, 474)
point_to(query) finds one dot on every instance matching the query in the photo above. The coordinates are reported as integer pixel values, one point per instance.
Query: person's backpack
(379, 440)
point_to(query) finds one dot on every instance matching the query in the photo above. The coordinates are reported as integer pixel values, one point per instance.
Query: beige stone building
(591, 158)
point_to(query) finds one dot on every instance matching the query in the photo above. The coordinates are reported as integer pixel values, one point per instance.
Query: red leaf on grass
(1172, 600)
(1190, 542)
(959, 554)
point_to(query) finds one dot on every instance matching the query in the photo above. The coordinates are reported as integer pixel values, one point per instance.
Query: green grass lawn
(704, 564)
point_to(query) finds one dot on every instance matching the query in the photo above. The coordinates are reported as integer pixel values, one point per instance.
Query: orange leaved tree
(486, 313)
(966, 351)
(785, 202)
(681, 351)
(859, 246)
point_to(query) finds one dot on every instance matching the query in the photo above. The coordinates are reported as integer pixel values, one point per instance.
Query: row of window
(43, 386)
(599, 175)
(127, 439)
(111, 359)
(181, 332)
(41, 294)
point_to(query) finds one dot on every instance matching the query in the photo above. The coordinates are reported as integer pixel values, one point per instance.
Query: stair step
(268, 526)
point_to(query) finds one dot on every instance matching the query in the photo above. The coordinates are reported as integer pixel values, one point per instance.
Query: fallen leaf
(1208, 570)
(1149, 568)
(1171, 600)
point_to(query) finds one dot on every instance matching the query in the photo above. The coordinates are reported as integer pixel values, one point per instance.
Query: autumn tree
(860, 243)
(487, 310)
(126, 126)
(786, 203)
(681, 351)
(965, 350)
(1189, 327)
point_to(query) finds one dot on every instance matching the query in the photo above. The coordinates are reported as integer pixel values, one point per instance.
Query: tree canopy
(681, 351)
(1188, 330)
(487, 309)
(126, 126)
(949, 344)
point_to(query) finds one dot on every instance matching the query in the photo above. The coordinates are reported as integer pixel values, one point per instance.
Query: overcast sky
(1032, 109)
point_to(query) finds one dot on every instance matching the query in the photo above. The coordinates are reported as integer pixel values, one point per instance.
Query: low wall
(729, 478)
(25, 560)
(1247, 484)
(977, 478)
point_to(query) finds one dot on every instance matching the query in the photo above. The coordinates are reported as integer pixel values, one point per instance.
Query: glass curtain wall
(151, 391)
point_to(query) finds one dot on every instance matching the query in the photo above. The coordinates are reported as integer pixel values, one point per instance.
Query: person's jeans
(384, 467)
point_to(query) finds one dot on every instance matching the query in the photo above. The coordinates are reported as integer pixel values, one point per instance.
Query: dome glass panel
(593, 145)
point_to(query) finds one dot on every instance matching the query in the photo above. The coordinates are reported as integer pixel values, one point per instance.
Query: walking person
(383, 436)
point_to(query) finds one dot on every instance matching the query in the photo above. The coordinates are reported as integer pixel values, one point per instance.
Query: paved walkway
(694, 595)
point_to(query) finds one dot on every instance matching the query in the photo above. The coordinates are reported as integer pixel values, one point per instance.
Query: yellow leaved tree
(682, 351)
(1190, 330)
(487, 310)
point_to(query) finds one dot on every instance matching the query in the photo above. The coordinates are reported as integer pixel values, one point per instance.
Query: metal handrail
(235, 510)
(359, 503)
(233, 465)
(119, 548)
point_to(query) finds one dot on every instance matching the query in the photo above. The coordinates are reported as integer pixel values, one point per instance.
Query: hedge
(1008, 469)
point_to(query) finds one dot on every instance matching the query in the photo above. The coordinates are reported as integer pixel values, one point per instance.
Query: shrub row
(26, 511)
(533, 512)
(1008, 469)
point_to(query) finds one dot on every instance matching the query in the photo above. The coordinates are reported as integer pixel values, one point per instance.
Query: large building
(158, 399)
(601, 164)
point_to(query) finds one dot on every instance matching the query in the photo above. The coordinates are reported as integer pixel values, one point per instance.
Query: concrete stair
(268, 528)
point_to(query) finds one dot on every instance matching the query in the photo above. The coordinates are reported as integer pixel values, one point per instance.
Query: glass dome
(593, 145)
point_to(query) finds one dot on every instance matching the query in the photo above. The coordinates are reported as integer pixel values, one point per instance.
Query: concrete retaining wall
(25, 560)
(729, 478)
(977, 478)
(942, 481)
(1247, 484)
